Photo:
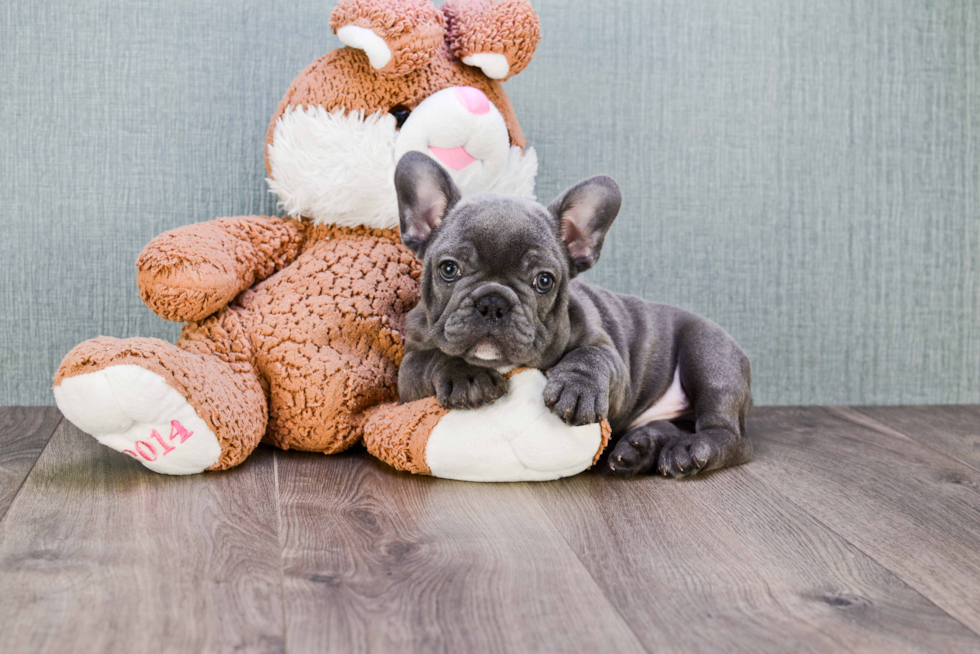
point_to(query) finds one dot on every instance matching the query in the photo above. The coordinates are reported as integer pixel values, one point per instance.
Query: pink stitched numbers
(145, 449)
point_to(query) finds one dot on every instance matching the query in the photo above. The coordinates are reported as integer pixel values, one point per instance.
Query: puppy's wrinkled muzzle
(490, 326)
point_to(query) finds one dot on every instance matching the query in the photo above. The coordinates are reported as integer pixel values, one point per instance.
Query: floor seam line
(3, 516)
(857, 547)
(279, 536)
(582, 565)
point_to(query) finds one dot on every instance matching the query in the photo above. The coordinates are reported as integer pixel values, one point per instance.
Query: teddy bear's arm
(190, 272)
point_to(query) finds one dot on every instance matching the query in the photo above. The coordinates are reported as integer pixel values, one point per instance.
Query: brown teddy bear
(294, 325)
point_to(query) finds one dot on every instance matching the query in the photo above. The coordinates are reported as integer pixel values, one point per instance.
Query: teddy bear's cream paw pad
(514, 439)
(134, 411)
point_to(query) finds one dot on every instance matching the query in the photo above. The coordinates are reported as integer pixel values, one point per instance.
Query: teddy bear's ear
(497, 37)
(398, 36)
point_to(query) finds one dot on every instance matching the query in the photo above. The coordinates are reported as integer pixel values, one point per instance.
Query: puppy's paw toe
(459, 398)
(486, 388)
(685, 457)
(469, 388)
(576, 402)
(633, 455)
(566, 408)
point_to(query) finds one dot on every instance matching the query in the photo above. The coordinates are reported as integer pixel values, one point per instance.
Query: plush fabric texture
(211, 370)
(605, 435)
(326, 334)
(494, 66)
(135, 411)
(335, 167)
(345, 79)
(308, 149)
(443, 123)
(296, 326)
(412, 29)
(516, 438)
(311, 348)
(398, 433)
(513, 439)
(362, 38)
(508, 27)
(338, 168)
(191, 272)
(518, 175)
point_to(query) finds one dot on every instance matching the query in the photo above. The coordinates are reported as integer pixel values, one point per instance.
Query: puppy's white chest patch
(673, 404)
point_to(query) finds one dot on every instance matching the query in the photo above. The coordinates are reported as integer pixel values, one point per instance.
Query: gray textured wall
(804, 172)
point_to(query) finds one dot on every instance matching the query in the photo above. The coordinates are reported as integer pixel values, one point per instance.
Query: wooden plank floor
(852, 530)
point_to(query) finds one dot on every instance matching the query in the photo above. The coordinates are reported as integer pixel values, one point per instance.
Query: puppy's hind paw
(633, 455)
(686, 456)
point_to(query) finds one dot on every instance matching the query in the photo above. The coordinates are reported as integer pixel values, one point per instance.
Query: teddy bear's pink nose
(473, 99)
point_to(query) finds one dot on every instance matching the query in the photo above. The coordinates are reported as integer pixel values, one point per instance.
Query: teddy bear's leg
(514, 439)
(176, 410)
(399, 433)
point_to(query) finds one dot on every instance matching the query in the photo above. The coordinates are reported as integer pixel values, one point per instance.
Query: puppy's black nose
(492, 307)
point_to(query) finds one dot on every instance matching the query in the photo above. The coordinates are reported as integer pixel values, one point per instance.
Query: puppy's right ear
(426, 193)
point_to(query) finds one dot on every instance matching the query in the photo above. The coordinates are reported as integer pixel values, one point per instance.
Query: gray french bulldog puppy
(498, 292)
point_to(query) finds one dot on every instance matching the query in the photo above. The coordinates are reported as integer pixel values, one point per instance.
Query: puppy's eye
(400, 112)
(544, 282)
(449, 271)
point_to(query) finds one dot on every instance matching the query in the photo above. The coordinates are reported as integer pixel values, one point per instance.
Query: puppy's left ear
(586, 212)
(426, 193)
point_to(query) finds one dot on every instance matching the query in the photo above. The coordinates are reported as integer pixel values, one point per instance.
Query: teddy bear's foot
(514, 439)
(174, 411)
(134, 411)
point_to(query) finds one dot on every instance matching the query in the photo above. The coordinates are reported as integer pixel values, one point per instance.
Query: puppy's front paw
(576, 398)
(462, 386)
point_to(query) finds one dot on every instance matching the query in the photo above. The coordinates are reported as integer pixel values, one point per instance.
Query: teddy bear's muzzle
(461, 129)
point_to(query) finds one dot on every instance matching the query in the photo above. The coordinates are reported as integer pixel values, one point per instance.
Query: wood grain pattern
(378, 561)
(843, 535)
(98, 554)
(724, 564)
(910, 508)
(24, 431)
(950, 430)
